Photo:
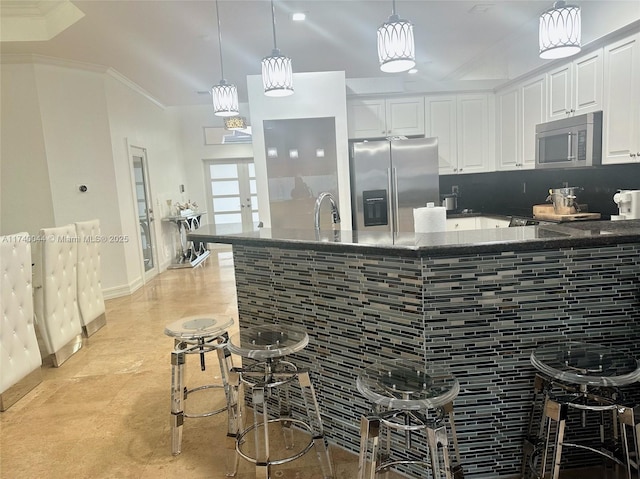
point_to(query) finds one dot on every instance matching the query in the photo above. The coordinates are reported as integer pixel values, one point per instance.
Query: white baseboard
(124, 290)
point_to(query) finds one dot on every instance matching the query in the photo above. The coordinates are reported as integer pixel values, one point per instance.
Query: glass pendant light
(560, 31)
(396, 50)
(224, 95)
(277, 74)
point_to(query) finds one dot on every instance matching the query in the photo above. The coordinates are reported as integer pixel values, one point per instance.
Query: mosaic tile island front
(477, 301)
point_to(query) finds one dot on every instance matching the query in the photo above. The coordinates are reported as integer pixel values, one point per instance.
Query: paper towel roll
(432, 219)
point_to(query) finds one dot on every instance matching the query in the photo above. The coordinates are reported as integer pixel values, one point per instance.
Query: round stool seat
(402, 384)
(192, 328)
(586, 364)
(268, 342)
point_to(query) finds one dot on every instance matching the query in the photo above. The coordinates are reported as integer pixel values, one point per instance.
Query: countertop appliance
(570, 142)
(628, 202)
(450, 202)
(389, 178)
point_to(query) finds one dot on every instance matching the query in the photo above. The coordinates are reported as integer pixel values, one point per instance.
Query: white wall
(136, 120)
(192, 120)
(25, 192)
(317, 95)
(63, 126)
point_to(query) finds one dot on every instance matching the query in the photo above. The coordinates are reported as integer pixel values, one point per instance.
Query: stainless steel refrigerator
(389, 178)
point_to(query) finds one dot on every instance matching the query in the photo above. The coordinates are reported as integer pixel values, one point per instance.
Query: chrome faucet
(335, 215)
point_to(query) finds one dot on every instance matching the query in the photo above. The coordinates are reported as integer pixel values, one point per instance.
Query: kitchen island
(480, 301)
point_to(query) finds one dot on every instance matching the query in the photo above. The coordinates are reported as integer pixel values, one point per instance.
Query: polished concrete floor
(105, 412)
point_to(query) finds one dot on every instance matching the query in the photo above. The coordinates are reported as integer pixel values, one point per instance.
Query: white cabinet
(508, 118)
(518, 111)
(488, 222)
(461, 224)
(533, 112)
(378, 118)
(476, 223)
(621, 115)
(462, 124)
(576, 88)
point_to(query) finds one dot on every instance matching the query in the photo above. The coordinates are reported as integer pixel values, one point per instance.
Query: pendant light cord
(219, 41)
(273, 22)
(393, 8)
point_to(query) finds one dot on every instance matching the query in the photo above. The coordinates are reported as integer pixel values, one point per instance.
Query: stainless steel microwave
(570, 142)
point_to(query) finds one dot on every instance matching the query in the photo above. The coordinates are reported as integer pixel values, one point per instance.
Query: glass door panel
(144, 210)
(232, 192)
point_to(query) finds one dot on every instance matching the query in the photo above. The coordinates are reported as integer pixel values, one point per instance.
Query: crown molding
(26, 58)
(115, 74)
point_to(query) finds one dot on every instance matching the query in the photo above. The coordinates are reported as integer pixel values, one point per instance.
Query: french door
(232, 197)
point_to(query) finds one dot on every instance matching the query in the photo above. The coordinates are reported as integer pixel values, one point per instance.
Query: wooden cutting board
(546, 212)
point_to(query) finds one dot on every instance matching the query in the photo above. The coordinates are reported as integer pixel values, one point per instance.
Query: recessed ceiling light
(413, 71)
(298, 17)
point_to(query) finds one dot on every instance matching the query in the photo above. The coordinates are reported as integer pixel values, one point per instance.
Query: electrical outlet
(454, 190)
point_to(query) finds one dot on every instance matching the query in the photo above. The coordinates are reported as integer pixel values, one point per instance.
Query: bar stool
(580, 378)
(195, 335)
(408, 397)
(269, 380)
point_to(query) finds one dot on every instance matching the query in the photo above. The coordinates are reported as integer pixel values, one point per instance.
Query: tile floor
(105, 412)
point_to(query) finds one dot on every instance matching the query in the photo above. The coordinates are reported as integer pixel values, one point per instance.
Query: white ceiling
(170, 47)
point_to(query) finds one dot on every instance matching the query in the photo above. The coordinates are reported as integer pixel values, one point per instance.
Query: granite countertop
(574, 234)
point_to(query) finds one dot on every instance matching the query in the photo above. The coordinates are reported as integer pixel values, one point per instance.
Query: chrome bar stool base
(269, 382)
(408, 398)
(196, 335)
(577, 379)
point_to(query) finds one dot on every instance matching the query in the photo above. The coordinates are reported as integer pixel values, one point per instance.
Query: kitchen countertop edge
(585, 234)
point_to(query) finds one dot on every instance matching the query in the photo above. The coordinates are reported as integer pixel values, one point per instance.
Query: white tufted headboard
(90, 298)
(19, 352)
(55, 302)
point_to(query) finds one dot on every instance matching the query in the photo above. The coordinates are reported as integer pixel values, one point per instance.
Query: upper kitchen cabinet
(576, 87)
(377, 118)
(621, 116)
(508, 106)
(463, 126)
(518, 111)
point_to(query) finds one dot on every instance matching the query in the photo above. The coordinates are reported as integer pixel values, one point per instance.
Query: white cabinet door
(559, 87)
(366, 118)
(534, 112)
(379, 118)
(461, 224)
(405, 116)
(461, 124)
(588, 77)
(621, 129)
(508, 113)
(576, 88)
(440, 122)
(486, 223)
(473, 133)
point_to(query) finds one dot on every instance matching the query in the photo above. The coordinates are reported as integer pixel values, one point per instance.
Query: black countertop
(574, 234)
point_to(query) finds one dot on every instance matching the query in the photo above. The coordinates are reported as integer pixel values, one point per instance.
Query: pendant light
(224, 95)
(277, 74)
(396, 50)
(560, 31)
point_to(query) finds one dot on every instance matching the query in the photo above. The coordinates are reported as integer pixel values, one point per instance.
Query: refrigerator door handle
(391, 206)
(396, 207)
